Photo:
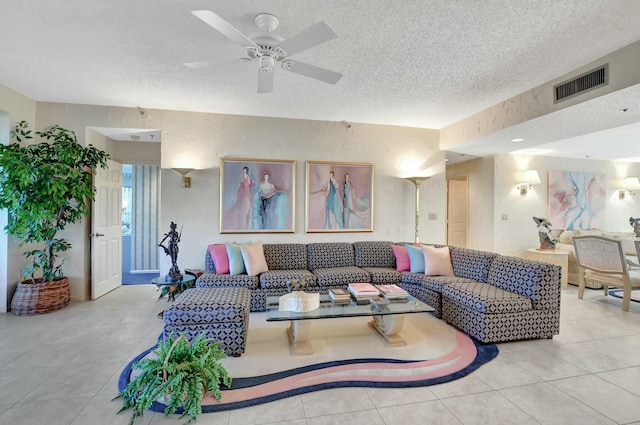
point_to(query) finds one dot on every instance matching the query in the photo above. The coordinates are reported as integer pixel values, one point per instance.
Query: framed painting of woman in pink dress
(257, 195)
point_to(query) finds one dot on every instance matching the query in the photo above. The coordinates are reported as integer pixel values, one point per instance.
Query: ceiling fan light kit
(269, 49)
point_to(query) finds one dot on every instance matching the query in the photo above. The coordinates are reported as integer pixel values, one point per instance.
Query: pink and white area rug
(346, 354)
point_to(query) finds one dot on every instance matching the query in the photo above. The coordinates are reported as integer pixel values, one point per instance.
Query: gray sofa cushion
(209, 305)
(213, 280)
(330, 254)
(486, 298)
(341, 276)
(538, 281)
(383, 275)
(374, 254)
(434, 283)
(471, 263)
(280, 278)
(286, 256)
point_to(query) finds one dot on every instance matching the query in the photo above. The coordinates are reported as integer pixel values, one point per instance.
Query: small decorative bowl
(378, 302)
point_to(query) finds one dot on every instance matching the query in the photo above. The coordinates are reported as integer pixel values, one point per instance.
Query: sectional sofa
(491, 297)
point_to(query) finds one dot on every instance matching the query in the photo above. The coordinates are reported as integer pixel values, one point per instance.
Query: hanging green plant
(180, 375)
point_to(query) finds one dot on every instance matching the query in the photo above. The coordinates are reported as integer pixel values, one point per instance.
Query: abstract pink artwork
(257, 196)
(576, 199)
(339, 197)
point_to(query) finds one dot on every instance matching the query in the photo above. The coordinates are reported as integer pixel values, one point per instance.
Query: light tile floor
(62, 368)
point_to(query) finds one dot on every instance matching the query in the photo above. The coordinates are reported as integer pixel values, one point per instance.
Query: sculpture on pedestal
(635, 223)
(171, 250)
(547, 240)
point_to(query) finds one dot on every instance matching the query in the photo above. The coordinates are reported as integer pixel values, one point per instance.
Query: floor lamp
(417, 181)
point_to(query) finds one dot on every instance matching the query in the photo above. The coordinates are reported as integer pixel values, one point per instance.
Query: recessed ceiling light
(517, 140)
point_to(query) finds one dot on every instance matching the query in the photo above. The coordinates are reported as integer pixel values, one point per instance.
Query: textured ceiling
(411, 63)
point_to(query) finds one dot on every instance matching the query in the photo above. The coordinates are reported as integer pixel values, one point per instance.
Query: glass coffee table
(387, 320)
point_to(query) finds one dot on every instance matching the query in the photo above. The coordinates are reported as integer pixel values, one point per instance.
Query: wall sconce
(628, 186)
(186, 181)
(528, 178)
(417, 181)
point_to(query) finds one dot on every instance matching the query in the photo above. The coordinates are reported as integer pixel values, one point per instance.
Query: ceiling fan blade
(316, 72)
(265, 82)
(201, 64)
(224, 27)
(316, 34)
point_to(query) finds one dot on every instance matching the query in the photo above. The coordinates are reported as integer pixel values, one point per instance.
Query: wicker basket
(40, 297)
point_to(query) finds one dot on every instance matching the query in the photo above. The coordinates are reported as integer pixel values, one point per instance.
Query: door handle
(96, 234)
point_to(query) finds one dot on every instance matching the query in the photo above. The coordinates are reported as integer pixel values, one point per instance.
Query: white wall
(480, 182)
(14, 107)
(518, 232)
(397, 152)
(493, 193)
(199, 140)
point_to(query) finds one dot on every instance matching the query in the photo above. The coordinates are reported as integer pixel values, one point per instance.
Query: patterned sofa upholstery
(520, 299)
(286, 262)
(377, 259)
(334, 264)
(491, 297)
(221, 314)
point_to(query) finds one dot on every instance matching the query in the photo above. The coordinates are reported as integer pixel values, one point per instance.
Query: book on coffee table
(339, 296)
(363, 288)
(392, 292)
(362, 292)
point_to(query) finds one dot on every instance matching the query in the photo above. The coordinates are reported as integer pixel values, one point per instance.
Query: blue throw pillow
(236, 262)
(416, 259)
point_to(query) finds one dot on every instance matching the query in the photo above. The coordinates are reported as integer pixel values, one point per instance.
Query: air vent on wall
(583, 83)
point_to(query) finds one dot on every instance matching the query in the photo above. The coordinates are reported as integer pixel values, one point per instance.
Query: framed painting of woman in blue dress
(339, 197)
(257, 195)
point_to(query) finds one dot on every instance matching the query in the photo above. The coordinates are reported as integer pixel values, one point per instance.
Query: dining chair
(603, 260)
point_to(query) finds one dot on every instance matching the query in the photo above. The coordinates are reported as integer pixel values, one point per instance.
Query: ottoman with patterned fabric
(221, 314)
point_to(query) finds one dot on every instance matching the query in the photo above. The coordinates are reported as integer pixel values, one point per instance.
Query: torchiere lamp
(417, 181)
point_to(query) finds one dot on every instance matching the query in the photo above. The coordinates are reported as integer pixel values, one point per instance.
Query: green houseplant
(180, 375)
(45, 186)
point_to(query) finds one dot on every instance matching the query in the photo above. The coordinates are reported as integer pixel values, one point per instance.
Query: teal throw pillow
(236, 262)
(416, 259)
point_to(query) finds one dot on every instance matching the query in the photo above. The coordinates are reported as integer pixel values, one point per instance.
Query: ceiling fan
(269, 50)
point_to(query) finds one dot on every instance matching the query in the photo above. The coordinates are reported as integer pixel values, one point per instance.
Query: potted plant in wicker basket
(179, 374)
(45, 186)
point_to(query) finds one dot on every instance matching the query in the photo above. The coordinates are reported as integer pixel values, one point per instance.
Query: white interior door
(106, 231)
(457, 213)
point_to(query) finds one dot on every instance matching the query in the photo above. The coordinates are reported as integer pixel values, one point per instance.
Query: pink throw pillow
(220, 258)
(402, 258)
(437, 261)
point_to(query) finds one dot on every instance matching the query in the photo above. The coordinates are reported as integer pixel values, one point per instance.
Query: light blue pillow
(236, 262)
(416, 259)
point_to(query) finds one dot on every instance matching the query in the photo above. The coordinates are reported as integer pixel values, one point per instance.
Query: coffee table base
(387, 327)
(298, 333)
